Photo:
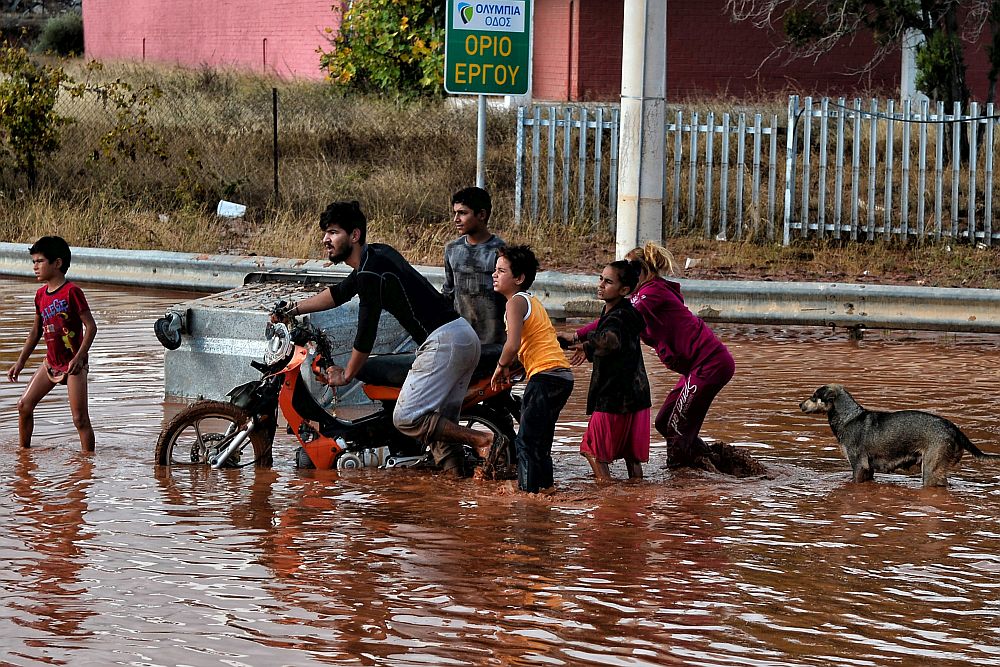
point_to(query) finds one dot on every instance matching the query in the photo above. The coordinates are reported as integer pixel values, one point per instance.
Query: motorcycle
(241, 432)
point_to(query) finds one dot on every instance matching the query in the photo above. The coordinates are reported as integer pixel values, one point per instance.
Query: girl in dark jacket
(618, 399)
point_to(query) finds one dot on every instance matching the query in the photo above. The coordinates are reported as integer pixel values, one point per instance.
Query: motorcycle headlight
(279, 342)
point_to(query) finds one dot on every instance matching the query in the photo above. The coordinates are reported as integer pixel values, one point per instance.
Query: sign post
(487, 52)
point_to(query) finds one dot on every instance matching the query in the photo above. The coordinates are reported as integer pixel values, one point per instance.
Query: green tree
(391, 47)
(62, 34)
(30, 126)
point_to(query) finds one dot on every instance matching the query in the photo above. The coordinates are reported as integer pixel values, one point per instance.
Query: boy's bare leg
(76, 386)
(38, 387)
(634, 469)
(602, 472)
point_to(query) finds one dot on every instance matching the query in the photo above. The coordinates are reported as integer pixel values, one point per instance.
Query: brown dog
(891, 441)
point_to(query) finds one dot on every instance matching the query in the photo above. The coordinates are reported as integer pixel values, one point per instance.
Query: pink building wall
(265, 36)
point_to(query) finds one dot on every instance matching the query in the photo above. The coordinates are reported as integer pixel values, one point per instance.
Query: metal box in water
(223, 332)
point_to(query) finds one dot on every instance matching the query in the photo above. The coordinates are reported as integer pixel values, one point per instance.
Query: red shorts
(613, 436)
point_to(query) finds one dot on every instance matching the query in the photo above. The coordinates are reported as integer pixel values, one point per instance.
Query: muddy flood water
(108, 560)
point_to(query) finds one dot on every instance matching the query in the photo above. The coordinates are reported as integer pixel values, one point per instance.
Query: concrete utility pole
(908, 67)
(643, 112)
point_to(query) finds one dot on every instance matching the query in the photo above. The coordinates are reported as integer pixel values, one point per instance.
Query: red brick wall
(551, 55)
(600, 59)
(707, 55)
(273, 36)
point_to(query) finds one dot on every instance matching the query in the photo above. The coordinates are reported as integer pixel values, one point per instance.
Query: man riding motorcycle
(448, 348)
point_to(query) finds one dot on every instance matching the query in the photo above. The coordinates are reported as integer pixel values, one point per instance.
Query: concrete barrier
(569, 295)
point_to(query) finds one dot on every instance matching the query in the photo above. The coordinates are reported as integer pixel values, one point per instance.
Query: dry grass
(402, 163)
(883, 262)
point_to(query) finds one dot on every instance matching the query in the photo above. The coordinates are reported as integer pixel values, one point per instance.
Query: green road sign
(487, 47)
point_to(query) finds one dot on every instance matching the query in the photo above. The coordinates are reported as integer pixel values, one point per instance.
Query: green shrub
(62, 34)
(390, 47)
(29, 123)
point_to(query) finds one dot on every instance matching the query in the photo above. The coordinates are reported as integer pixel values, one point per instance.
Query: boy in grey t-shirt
(469, 262)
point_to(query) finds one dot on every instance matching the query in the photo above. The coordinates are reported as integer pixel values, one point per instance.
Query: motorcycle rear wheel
(202, 429)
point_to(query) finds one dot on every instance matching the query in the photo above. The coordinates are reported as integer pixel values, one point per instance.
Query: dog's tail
(975, 451)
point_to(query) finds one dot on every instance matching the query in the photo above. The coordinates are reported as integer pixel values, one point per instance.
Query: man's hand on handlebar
(284, 311)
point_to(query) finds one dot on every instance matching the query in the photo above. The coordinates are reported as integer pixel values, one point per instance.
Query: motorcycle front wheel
(201, 430)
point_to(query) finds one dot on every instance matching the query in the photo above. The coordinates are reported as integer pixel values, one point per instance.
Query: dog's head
(823, 399)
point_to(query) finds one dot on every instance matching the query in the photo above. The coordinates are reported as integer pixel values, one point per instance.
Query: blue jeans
(545, 395)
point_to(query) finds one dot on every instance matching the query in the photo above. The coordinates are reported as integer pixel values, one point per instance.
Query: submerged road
(110, 560)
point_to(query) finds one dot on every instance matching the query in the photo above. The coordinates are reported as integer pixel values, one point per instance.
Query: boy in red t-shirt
(63, 318)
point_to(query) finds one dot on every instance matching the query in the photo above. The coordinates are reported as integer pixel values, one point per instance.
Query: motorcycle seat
(389, 370)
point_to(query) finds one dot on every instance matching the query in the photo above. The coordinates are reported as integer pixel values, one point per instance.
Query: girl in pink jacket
(685, 345)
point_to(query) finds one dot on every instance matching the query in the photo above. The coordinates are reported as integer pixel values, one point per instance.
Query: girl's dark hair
(347, 215)
(53, 248)
(522, 262)
(628, 272)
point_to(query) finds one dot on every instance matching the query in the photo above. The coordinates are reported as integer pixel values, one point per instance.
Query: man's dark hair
(628, 272)
(53, 248)
(522, 262)
(347, 215)
(475, 198)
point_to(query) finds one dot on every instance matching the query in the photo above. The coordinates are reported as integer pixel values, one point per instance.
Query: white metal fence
(582, 165)
(715, 188)
(884, 171)
(832, 168)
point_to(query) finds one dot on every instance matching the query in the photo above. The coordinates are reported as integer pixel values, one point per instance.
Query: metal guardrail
(157, 269)
(569, 295)
(846, 305)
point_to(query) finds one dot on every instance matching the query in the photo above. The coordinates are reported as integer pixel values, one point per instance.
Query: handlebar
(302, 332)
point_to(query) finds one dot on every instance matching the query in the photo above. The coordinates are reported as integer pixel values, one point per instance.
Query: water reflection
(110, 560)
(49, 510)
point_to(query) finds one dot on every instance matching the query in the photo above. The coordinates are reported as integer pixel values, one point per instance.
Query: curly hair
(522, 262)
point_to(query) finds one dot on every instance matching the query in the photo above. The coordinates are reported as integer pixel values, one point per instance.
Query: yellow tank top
(539, 349)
